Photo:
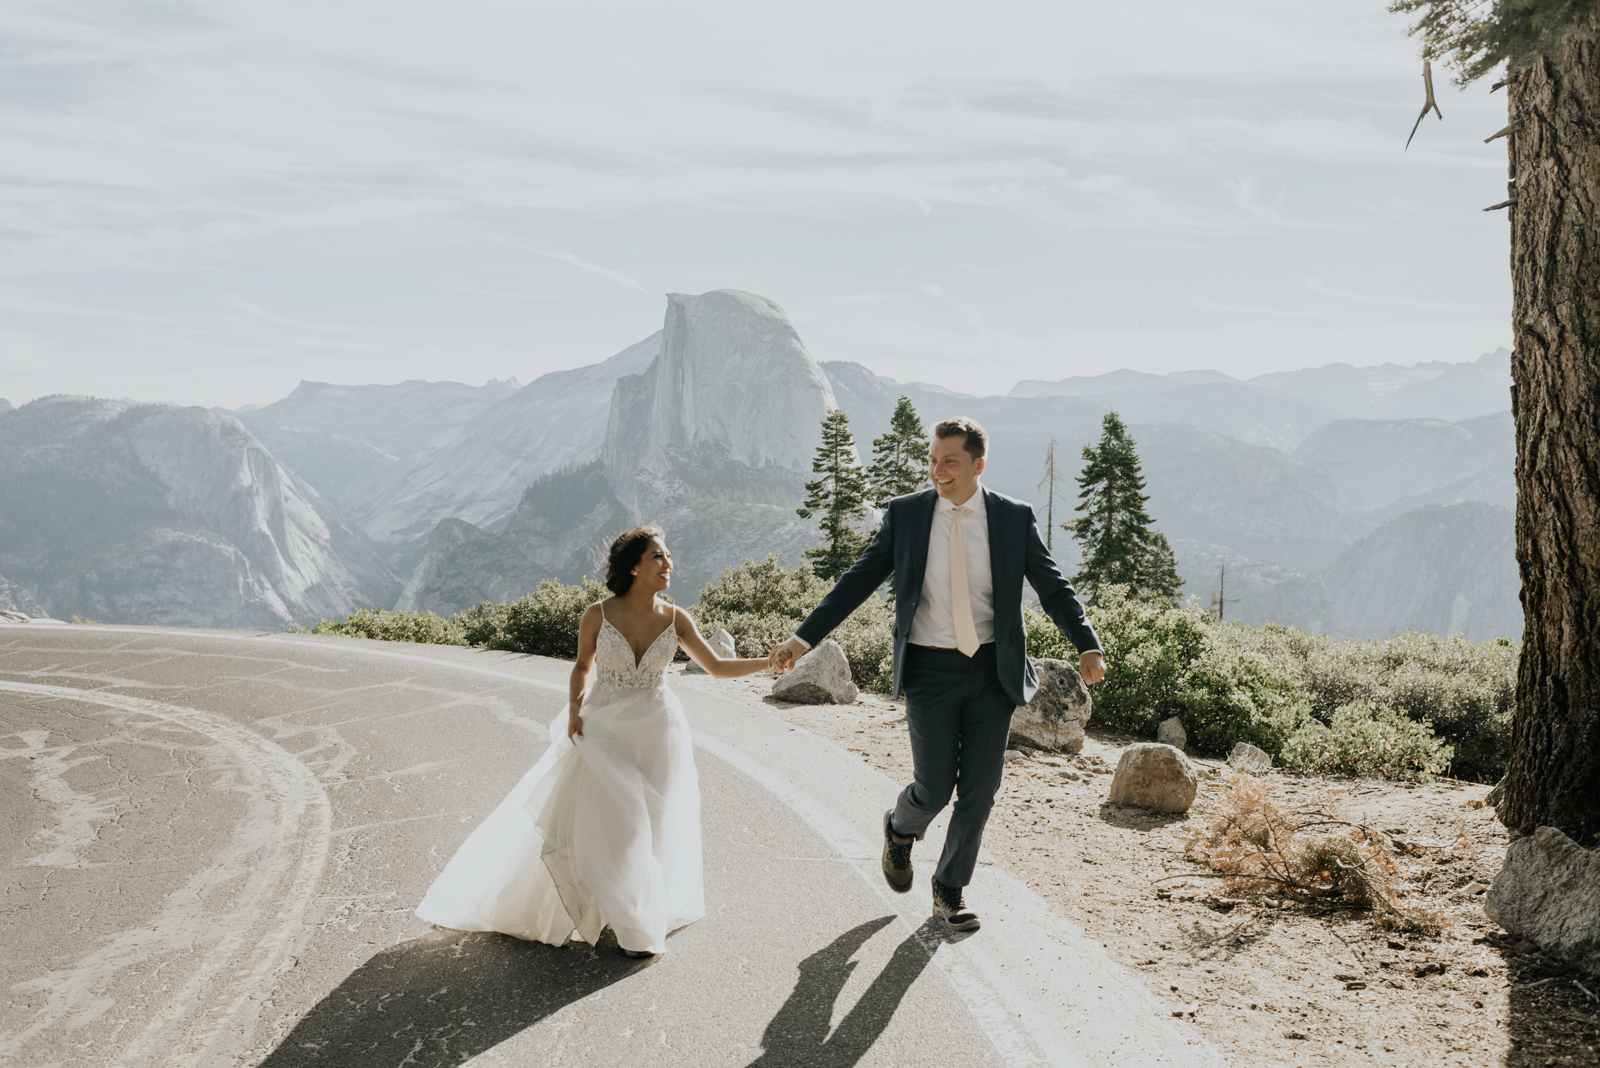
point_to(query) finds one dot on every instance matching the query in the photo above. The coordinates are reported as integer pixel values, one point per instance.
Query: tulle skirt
(604, 831)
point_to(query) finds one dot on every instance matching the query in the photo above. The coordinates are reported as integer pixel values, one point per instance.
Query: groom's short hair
(977, 443)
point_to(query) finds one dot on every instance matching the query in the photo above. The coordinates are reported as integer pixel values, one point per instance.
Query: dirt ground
(1268, 982)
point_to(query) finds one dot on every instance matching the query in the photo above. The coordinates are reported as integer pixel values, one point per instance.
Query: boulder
(1171, 732)
(1246, 757)
(822, 677)
(1154, 776)
(1549, 893)
(721, 643)
(1056, 716)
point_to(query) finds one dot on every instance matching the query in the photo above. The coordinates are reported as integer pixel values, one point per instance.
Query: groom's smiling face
(952, 470)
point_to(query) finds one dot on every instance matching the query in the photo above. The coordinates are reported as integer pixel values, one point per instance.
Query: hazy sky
(206, 203)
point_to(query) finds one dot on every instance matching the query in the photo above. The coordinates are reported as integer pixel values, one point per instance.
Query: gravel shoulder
(1265, 982)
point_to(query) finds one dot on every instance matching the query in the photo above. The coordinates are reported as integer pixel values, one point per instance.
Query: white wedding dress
(604, 831)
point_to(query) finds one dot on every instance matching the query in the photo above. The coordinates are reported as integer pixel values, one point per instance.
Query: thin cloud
(595, 269)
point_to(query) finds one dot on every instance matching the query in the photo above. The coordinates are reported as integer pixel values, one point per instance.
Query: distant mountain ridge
(438, 494)
(1448, 391)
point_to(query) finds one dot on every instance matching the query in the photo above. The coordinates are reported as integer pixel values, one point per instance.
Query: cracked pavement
(214, 841)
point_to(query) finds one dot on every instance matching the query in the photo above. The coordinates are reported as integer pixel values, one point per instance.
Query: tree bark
(1554, 773)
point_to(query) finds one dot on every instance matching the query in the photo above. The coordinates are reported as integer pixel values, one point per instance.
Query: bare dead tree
(1052, 475)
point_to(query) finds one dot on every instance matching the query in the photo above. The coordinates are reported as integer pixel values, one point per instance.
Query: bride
(605, 830)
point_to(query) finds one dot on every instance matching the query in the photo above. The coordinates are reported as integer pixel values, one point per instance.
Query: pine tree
(900, 457)
(839, 497)
(1115, 533)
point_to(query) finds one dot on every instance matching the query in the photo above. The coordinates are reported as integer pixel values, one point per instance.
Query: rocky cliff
(165, 515)
(479, 476)
(1384, 467)
(733, 375)
(14, 597)
(1450, 569)
(713, 441)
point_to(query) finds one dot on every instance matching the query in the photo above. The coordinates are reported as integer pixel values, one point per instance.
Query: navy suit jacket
(1016, 551)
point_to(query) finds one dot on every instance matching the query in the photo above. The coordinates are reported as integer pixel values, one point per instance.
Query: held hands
(1092, 666)
(784, 657)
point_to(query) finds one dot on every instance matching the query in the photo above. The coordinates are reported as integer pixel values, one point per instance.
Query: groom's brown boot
(896, 857)
(948, 906)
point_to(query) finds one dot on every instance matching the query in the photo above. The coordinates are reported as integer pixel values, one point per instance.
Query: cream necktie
(960, 595)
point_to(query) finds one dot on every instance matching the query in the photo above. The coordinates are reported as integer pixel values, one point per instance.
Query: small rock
(1014, 754)
(1431, 968)
(1548, 893)
(822, 677)
(1247, 758)
(1471, 889)
(1186, 1010)
(1056, 716)
(1071, 776)
(1355, 984)
(1296, 1035)
(722, 644)
(1171, 732)
(1156, 777)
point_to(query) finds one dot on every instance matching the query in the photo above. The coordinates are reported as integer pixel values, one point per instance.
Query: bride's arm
(717, 667)
(588, 636)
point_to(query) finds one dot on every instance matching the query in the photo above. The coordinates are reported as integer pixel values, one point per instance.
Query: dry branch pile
(1306, 853)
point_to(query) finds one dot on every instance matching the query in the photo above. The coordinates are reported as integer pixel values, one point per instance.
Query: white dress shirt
(934, 623)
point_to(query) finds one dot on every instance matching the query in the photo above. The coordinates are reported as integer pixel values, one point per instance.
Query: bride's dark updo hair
(627, 549)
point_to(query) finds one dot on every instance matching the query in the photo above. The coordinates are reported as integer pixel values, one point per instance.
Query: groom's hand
(1092, 666)
(785, 656)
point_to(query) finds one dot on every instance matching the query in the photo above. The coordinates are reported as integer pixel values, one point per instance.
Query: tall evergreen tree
(839, 497)
(1551, 52)
(900, 457)
(1115, 533)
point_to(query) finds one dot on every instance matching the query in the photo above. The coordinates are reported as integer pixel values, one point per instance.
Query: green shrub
(1466, 690)
(761, 603)
(384, 625)
(753, 634)
(1168, 660)
(867, 636)
(481, 624)
(1370, 740)
(884, 683)
(763, 588)
(543, 623)
(1232, 693)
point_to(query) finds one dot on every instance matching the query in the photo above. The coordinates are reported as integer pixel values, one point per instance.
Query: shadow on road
(446, 997)
(798, 1035)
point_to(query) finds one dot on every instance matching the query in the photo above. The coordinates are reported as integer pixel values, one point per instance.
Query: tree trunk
(1554, 773)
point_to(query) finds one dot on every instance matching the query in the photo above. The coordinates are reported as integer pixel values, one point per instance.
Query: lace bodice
(614, 665)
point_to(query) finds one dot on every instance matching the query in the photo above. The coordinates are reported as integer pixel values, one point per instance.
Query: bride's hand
(574, 726)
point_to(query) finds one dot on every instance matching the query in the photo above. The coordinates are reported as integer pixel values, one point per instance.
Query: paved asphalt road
(215, 840)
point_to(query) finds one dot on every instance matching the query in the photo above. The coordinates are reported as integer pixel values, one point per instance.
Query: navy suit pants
(960, 720)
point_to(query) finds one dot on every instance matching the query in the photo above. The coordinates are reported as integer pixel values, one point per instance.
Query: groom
(958, 553)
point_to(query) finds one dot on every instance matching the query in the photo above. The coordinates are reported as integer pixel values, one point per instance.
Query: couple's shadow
(449, 996)
(445, 998)
(799, 1036)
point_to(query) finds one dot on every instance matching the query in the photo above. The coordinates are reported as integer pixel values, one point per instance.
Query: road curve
(215, 840)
